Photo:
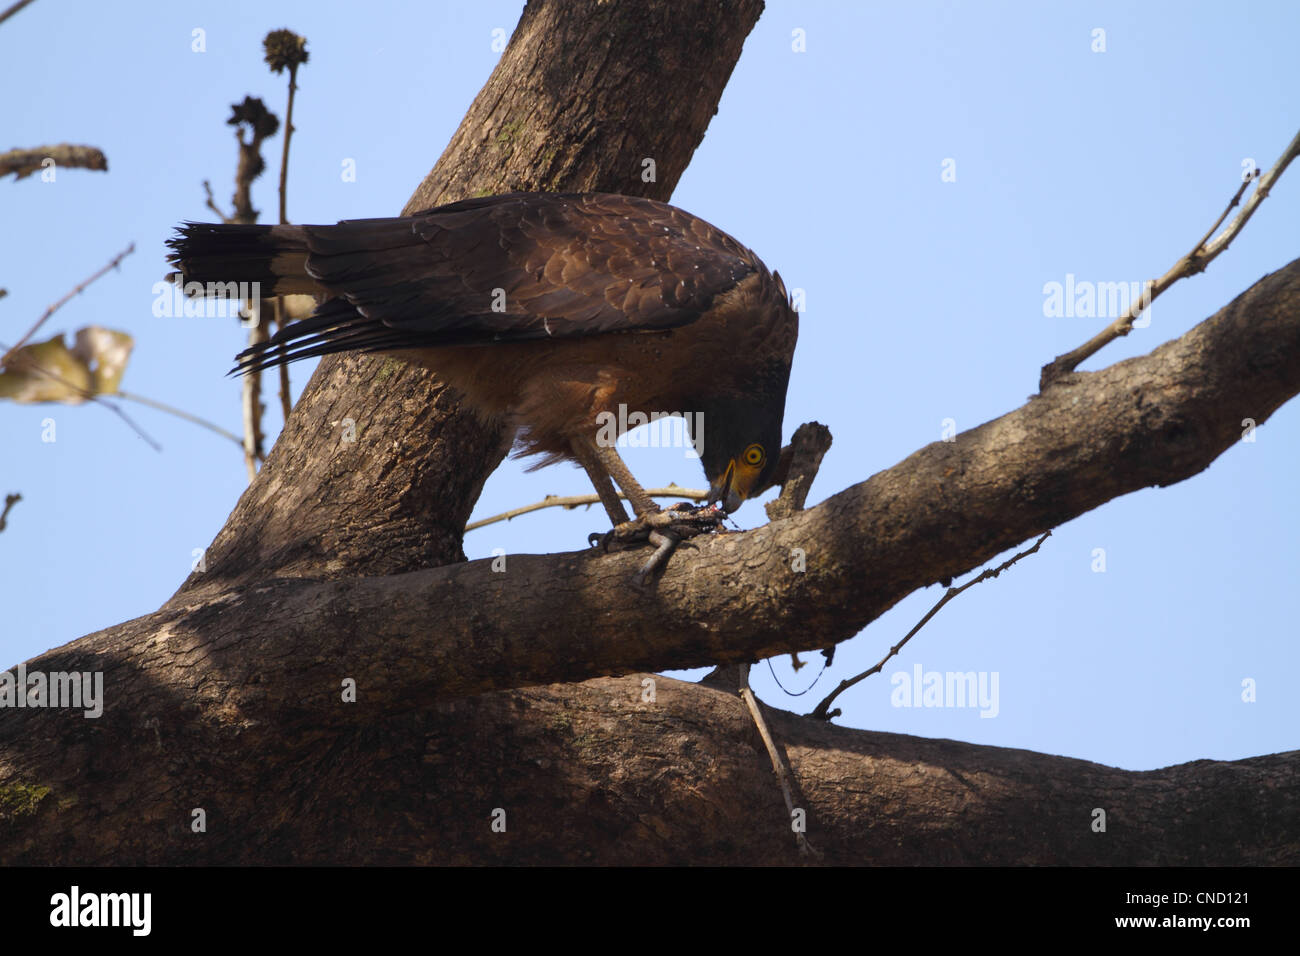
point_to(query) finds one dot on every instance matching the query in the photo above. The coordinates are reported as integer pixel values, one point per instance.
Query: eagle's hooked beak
(734, 486)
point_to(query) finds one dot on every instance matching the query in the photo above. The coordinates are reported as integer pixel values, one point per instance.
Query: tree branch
(24, 162)
(10, 11)
(1195, 261)
(420, 638)
(76, 291)
(569, 502)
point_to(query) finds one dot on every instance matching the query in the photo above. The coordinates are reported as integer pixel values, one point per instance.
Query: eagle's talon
(666, 530)
(665, 544)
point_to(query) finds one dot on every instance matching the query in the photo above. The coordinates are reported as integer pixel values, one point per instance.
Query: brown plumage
(546, 310)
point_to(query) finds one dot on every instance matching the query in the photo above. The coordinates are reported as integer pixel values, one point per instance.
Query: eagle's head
(740, 446)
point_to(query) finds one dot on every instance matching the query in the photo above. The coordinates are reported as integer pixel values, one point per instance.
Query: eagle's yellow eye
(754, 455)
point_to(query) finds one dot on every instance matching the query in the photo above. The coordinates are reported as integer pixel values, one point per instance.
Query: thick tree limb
(429, 636)
(1148, 421)
(596, 773)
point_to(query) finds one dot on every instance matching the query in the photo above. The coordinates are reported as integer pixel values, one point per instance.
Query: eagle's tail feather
(335, 326)
(213, 254)
(226, 259)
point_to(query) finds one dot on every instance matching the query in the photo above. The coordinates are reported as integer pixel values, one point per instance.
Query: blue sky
(924, 303)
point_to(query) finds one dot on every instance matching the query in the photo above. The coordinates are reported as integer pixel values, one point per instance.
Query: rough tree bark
(343, 560)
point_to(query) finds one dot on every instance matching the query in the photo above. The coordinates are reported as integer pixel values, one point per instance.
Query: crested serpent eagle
(556, 313)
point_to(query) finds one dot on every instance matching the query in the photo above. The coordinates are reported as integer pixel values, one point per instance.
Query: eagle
(560, 314)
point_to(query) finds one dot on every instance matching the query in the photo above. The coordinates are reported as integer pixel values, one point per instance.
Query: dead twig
(24, 162)
(13, 9)
(212, 203)
(1202, 254)
(578, 501)
(11, 499)
(285, 50)
(821, 709)
(63, 301)
(778, 764)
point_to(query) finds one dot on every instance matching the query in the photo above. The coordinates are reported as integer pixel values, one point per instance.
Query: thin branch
(261, 123)
(1202, 254)
(821, 709)
(86, 394)
(285, 50)
(11, 499)
(212, 203)
(251, 400)
(63, 301)
(113, 407)
(778, 765)
(577, 501)
(180, 413)
(288, 135)
(286, 403)
(24, 162)
(14, 9)
(90, 396)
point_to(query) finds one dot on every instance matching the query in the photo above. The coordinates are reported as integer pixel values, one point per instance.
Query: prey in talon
(664, 529)
(566, 317)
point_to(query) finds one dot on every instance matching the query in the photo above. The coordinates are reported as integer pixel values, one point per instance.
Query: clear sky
(925, 302)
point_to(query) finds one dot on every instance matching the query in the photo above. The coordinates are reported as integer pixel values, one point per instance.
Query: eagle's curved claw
(664, 529)
(666, 543)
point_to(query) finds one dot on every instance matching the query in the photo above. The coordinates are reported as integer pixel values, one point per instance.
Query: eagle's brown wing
(504, 268)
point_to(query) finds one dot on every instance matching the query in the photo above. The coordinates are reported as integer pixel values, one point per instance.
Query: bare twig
(28, 364)
(281, 320)
(1202, 254)
(821, 710)
(578, 501)
(261, 123)
(13, 9)
(11, 499)
(63, 301)
(285, 50)
(251, 402)
(113, 407)
(778, 764)
(24, 162)
(212, 203)
(179, 413)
